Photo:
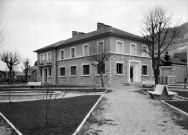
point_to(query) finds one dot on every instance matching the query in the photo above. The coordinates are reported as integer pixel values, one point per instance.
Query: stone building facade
(65, 62)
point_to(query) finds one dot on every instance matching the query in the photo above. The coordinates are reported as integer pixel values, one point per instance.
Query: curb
(175, 108)
(87, 116)
(184, 98)
(16, 130)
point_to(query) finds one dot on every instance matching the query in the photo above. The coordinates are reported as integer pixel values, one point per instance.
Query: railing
(44, 62)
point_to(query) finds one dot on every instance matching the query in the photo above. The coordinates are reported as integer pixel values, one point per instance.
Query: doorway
(45, 75)
(131, 73)
(134, 71)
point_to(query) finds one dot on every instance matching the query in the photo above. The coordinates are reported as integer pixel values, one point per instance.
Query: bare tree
(98, 55)
(159, 34)
(11, 59)
(26, 64)
(46, 104)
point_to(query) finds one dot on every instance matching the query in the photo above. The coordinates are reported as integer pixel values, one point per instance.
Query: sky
(33, 24)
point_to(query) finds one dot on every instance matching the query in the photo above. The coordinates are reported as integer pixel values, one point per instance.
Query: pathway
(127, 112)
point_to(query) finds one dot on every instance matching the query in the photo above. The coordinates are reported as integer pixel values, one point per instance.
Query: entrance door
(131, 73)
(134, 71)
(45, 75)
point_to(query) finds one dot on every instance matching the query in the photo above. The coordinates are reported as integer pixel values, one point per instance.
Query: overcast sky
(32, 24)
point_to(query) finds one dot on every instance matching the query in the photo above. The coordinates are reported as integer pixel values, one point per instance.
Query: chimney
(102, 25)
(76, 33)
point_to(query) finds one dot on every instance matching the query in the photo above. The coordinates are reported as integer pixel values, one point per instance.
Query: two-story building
(65, 62)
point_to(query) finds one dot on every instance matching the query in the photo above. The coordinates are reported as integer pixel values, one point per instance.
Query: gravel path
(126, 112)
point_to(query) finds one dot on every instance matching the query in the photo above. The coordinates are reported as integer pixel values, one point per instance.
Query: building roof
(98, 33)
(175, 61)
(33, 68)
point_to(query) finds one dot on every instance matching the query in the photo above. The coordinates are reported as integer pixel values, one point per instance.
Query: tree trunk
(102, 81)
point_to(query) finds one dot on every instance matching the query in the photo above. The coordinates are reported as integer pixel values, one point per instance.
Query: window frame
(117, 68)
(60, 72)
(104, 69)
(62, 50)
(71, 71)
(146, 70)
(84, 50)
(74, 52)
(135, 49)
(122, 46)
(145, 52)
(83, 70)
(49, 72)
(98, 45)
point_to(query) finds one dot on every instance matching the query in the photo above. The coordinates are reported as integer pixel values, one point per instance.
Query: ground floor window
(40, 72)
(49, 72)
(73, 70)
(144, 70)
(101, 68)
(119, 68)
(62, 71)
(85, 69)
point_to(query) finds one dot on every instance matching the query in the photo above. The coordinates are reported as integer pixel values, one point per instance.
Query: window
(45, 56)
(100, 68)
(73, 52)
(50, 72)
(40, 72)
(62, 71)
(100, 47)
(144, 70)
(62, 54)
(119, 47)
(144, 50)
(85, 50)
(85, 69)
(119, 68)
(41, 58)
(49, 57)
(133, 49)
(73, 70)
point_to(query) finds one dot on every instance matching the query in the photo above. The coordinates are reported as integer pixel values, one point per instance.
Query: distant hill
(180, 45)
(178, 49)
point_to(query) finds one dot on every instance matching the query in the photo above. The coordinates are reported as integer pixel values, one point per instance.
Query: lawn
(65, 115)
(55, 89)
(179, 104)
(182, 93)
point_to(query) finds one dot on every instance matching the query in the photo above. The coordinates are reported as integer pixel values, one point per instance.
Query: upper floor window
(62, 71)
(119, 47)
(73, 70)
(40, 72)
(85, 69)
(144, 50)
(85, 50)
(62, 54)
(49, 57)
(45, 56)
(144, 70)
(100, 47)
(119, 68)
(73, 52)
(133, 49)
(41, 58)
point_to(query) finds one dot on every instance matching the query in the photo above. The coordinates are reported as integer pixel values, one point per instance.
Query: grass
(65, 115)
(54, 89)
(182, 93)
(179, 104)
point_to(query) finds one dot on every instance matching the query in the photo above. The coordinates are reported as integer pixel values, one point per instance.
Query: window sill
(145, 75)
(99, 74)
(85, 75)
(49, 76)
(62, 76)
